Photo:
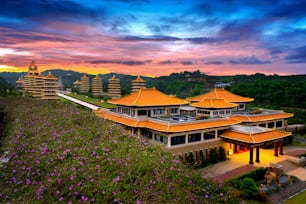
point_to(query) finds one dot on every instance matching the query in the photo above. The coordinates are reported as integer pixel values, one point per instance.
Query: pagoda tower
(114, 89)
(19, 84)
(29, 79)
(84, 87)
(97, 87)
(138, 83)
(50, 87)
(77, 85)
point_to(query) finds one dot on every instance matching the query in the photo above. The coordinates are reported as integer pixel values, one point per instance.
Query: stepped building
(138, 83)
(39, 86)
(84, 86)
(97, 87)
(114, 88)
(19, 84)
(212, 120)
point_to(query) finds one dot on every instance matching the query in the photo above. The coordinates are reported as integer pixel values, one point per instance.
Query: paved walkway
(237, 163)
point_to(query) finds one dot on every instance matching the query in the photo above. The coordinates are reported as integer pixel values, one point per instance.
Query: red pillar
(281, 148)
(235, 148)
(257, 155)
(276, 149)
(251, 156)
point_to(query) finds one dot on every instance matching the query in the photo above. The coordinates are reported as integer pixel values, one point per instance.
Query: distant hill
(275, 90)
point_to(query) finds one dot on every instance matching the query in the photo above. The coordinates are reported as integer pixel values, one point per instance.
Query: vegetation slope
(61, 153)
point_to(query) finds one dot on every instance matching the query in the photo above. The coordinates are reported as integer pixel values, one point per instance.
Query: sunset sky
(151, 38)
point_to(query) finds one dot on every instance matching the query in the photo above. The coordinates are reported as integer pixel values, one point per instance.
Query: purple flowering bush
(60, 153)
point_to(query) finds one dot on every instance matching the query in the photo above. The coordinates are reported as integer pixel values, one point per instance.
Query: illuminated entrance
(254, 137)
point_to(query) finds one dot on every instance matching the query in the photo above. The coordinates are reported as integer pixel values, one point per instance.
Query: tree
(213, 155)
(248, 188)
(222, 154)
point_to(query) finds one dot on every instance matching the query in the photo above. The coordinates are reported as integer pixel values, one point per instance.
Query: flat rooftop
(249, 129)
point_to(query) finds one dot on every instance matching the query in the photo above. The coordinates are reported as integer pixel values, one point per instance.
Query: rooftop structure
(138, 83)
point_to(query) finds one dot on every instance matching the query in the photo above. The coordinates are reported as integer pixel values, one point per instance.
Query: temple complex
(138, 83)
(217, 118)
(39, 86)
(97, 88)
(84, 84)
(114, 88)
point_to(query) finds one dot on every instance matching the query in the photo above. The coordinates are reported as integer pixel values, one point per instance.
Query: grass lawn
(94, 101)
(299, 198)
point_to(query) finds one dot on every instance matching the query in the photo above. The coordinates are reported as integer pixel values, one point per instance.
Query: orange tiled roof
(218, 93)
(19, 81)
(114, 78)
(50, 76)
(213, 103)
(145, 97)
(84, 77)
(165, 126)
(261, 117)
(138, 79)
(256, 137)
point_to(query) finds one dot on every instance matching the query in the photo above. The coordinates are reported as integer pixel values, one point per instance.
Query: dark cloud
(296, 56)
(185, 62)
(214, 62)
(159, 28)
(37, 10)
(167, 62)
(124, 62)
(150, 38)
(248, 60)
(201, 40)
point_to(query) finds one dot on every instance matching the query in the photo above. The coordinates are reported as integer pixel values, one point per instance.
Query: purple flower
(60, 199)
(84, 198)
(138, 202)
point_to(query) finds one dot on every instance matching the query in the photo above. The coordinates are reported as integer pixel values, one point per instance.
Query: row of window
(157, 111)
(215, 112)
(277, 124)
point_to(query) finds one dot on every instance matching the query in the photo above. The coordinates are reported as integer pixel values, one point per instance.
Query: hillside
(55, 156)
(267, 90)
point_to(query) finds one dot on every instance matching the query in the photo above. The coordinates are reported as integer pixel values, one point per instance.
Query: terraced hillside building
(97, 88)
(114, 88)
(39, 86)
(84, 84)
(138, 83)
(221, 119)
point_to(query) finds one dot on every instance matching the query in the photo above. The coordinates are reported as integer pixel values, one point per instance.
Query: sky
(154, 38)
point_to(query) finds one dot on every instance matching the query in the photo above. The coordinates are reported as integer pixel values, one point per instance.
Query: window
(271, 125)
(221, 112)
(215, 113)
(142, 112)
(146, 134)
(159, 111)
(228, 112)
(194, 137)
(241, 106)
(161, 139)
(176, 140)
(279, 124)
(262, 125)
(209, 135)
(174, 110)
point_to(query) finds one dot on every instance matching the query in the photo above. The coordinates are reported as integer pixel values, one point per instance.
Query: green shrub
(248, 188)
(213, 155)
(222, 154)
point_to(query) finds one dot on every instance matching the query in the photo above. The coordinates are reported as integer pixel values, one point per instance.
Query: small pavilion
(255, 137)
